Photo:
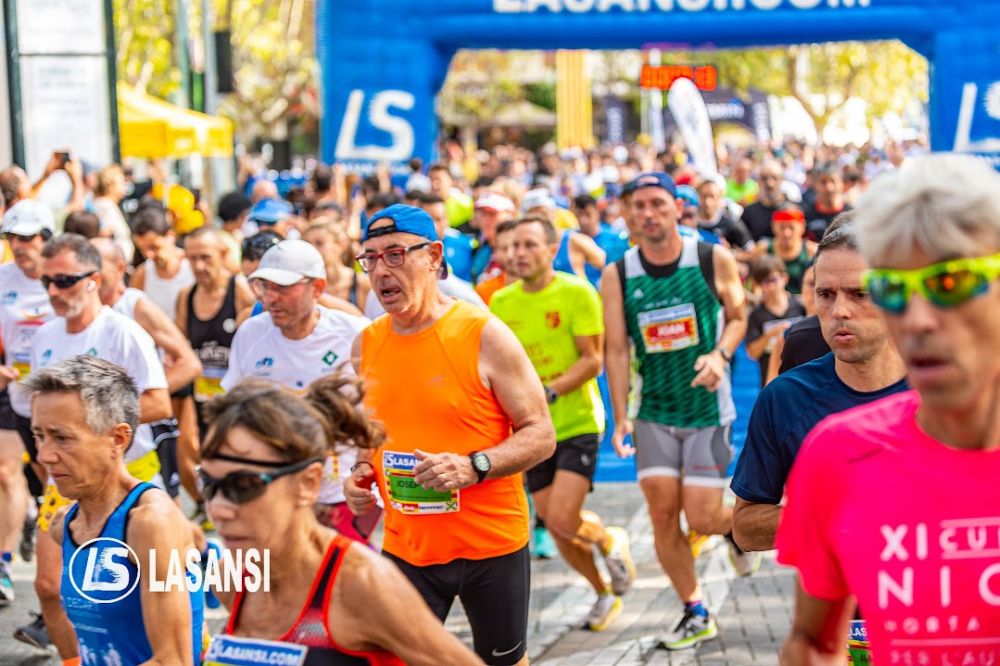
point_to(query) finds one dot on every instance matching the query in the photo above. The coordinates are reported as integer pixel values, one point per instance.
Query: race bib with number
(240, 651)
(669, 329)
(209, 384)
(409, 497)
(20, 347)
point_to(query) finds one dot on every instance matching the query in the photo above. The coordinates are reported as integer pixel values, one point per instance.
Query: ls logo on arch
(978, 129)
(372, 129)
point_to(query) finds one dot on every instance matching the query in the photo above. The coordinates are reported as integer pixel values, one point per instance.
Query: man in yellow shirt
(558, 319)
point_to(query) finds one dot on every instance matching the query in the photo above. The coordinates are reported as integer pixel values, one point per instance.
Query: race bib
(20, 347)
(669, 329)
(209, 384)
(240, 651)
(409, 497)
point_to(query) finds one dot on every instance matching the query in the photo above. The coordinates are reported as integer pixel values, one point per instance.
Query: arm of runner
(754, 525)
(392, 616)
(505, 368)
(588, 366)
(185, 367)
(774, 362)
(617, 357)
(154, 405)
(711, 367)
(819, 630)
(157, 525)
(8, 375)
(588, 249)
(334, 303)
(358, 491)
(758, 346)
(245, 298)
(139, 278)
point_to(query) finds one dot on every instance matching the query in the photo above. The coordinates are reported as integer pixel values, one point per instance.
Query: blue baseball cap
(270, 211)
(650, 179)
(405, 219)
(689, 195)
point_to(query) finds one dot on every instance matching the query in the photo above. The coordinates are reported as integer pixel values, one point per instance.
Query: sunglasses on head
(64, 281)
(244, 486)
(946, 284)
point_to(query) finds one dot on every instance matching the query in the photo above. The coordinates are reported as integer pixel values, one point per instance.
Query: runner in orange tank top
(465, 414)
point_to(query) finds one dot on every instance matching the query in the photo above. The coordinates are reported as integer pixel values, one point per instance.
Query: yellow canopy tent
(150, 128)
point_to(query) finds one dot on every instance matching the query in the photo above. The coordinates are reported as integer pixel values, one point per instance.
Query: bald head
(264, 189)
(113, 267)
(14, 185)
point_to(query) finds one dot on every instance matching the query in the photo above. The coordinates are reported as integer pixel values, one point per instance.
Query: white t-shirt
(127, 301)
(260, 350)
(24, 307)
(113, 337)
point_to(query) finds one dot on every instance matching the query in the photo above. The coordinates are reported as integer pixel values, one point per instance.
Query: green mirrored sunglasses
(946, 284)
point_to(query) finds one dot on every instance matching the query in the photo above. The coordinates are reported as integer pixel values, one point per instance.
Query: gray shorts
(700, 456)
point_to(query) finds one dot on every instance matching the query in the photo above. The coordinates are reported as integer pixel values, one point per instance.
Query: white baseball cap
(494, 201)
(28, 217)
(288, 262)
(538, 198)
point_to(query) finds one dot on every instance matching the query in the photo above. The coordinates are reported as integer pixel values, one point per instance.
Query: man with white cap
(24, 307)
(491, 209)
(295, 342)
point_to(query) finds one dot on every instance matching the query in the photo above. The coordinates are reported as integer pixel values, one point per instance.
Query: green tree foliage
(822, 77)
(274, 58)
(144, 31)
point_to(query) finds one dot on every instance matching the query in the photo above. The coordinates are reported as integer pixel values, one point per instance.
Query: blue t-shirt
(614, 243)
(786, 410)
(458, 248)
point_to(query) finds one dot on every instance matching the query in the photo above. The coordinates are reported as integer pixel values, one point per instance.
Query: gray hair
(945, 205)
(109, 395)
(86, 254)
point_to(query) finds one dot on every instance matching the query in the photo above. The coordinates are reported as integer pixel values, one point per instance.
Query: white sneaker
(744, 563)
(605, 610)
(619, 561)
(691, 630)
(6, 585)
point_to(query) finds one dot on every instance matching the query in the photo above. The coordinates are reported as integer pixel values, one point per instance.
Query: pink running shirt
(878, 509)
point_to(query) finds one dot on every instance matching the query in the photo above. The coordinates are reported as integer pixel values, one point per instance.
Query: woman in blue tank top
(85, 413)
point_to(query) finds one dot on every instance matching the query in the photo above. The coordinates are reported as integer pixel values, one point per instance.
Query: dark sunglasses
(20, 237)
(64, 281)
(243, 486)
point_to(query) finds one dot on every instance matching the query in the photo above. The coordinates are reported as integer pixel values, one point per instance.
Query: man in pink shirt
(897, 503)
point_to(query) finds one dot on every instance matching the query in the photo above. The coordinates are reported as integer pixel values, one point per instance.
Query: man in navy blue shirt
(862, 367)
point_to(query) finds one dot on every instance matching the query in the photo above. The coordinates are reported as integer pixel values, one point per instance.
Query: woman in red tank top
(330, 601)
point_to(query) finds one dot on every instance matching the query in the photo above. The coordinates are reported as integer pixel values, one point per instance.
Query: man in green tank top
(681, 304)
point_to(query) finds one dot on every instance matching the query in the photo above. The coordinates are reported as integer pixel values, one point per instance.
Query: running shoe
(744, 563)
(27, 545)
(544, 546)
(698, 542)
(692, 629)
(6, 585)
(605, 610)
(619, 561)
(34, 634)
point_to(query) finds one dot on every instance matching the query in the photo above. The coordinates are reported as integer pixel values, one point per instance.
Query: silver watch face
(481, 462)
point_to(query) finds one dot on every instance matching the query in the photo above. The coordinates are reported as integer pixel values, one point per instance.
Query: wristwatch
(550, 395)
(726, 354)
(481, 463)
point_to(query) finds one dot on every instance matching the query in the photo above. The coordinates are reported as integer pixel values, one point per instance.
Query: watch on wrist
(726, 354)
(481, 464)
(550, 395)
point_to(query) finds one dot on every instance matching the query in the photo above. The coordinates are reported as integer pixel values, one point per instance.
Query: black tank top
(310, 628)
(211, 340)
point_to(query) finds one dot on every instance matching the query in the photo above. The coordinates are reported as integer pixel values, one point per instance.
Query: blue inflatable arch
(383, 61)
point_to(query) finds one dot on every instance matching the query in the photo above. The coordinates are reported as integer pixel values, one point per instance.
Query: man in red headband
(789, 227)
